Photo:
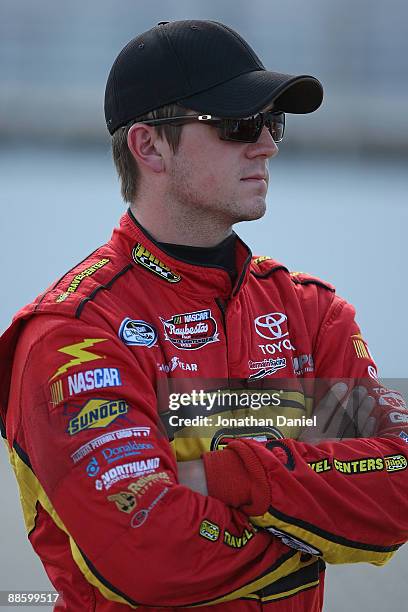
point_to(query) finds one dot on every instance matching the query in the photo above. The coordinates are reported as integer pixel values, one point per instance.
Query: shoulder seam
(269, 272)
(312, 281)
(107, 285)
(55, 285)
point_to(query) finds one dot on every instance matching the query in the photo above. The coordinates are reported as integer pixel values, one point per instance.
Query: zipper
(222, 307)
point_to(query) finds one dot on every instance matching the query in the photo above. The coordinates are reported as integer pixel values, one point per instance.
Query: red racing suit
(96, 460)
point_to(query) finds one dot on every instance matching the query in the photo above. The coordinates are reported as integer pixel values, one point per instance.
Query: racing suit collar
(211, 280)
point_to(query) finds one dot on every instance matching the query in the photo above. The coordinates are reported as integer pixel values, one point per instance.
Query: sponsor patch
(234, 541)
(124, 501)
(78, 278)
(126, 470)
(261, 258)
(92, 469)
(395, 463)
(174, 363)
(362, 465)
(303, 364)
(191, 330)
(140, 486)
(99, 378)
(145, 258)
(140, 517)
(112, 454)
(93, 379)
(79, 353)
(372, 372)
(289, 540)
(266, 367)
(57, 393)
(137, 333)
(360, 347)
(393, 399)
(398, 417)
(209, 530)
(112, 436)
(404, 436)
(97, 413)
(272, 326)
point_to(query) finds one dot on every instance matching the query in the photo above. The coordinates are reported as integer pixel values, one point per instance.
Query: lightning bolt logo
(79, 353)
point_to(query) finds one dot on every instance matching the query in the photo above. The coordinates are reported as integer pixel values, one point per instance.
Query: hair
(126, 165)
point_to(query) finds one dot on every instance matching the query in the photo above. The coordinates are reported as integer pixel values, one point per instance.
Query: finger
(324, 412)
(337, 399)
(369, 428)
(359, 407)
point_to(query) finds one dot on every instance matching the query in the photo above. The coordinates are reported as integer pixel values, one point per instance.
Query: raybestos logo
(137, 333)
(191, 330)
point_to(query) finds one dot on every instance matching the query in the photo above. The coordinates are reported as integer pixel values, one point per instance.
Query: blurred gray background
(337, 197)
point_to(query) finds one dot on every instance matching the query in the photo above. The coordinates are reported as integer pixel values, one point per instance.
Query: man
(94, 371)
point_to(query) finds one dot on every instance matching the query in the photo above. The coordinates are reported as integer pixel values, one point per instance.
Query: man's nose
(265, 146)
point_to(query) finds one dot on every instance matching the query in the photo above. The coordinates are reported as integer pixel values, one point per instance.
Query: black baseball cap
(202, 65)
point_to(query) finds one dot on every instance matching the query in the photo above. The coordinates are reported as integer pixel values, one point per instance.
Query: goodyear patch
(210, 531)
(78, 278)
(148, 260)
(97, 413)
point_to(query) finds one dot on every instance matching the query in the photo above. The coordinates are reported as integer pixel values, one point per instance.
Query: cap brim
(252, 92)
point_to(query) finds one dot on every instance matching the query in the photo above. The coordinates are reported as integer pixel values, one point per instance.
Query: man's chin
(254, 211)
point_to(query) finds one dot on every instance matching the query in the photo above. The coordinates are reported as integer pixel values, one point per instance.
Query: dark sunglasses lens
(276, 125)
(242, 130)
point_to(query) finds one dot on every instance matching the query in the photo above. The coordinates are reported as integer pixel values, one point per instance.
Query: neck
(185, 227)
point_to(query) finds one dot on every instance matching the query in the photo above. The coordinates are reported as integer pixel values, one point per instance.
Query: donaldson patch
(97, 413)
(78, 278)
(210, 531)
(112, 436)
(191, 330)
(145, 258)
(137, 333)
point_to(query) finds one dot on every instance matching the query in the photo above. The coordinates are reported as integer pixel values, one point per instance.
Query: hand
(342, 415)
(191, 474)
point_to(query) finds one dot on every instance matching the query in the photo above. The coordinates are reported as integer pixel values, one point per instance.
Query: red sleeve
(96, 459)
(346, 500)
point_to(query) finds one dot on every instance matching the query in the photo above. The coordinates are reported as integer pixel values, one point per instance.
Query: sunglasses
(238, 130)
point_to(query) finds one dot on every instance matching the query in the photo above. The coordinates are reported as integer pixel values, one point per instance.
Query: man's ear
(142, 141)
